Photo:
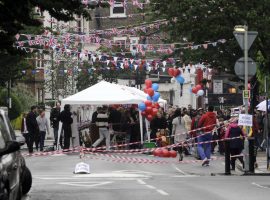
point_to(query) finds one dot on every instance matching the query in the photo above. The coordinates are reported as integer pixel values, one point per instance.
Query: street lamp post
(244, 29)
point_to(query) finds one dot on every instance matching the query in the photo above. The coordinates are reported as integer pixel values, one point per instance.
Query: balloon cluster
(197, 90)
(150, 107)
(176, 74)
(164, 153)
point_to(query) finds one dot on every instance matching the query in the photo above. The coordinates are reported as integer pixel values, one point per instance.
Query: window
(3, 134)
(133, 43)
(118, 10)
(120, 41)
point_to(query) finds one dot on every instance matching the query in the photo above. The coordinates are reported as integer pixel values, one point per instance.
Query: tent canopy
(104, 93)
(141, 93)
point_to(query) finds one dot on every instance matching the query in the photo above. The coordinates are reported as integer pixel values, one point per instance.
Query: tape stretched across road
(133, 151)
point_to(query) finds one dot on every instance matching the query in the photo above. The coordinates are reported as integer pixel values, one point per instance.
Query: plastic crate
(149, 145)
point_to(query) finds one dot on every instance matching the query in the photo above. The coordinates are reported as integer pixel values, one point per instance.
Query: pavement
(122, 178)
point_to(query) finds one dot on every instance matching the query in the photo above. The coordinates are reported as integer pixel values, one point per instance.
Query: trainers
(205, 161)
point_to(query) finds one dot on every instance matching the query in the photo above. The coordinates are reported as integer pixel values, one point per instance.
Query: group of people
(116, 120)
(186, 126)
(35, 126)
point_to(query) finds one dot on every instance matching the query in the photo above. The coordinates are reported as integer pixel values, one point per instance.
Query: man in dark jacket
(54, 118)
(207, 122)
(66, 119)
(32, 127)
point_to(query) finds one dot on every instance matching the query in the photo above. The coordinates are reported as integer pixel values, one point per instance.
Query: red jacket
(209, 121)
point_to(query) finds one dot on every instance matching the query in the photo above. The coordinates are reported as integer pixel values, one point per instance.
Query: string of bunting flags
(124, 3)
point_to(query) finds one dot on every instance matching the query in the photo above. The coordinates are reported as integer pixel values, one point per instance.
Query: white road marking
(162, 192)
(186, 176)
(179, 170)
(85, 184)
(104, 175)
(141, 182)
(150, 187)
(260, 186)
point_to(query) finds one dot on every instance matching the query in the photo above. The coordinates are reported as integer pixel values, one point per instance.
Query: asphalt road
(53, 179)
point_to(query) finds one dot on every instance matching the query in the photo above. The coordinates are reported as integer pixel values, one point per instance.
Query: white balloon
(200, 93)
(173, 80)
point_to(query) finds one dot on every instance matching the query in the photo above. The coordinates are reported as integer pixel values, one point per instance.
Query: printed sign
(245, 120)
(246, 94)
(218, 86)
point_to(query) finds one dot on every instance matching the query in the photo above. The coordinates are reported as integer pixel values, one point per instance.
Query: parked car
(15, 177)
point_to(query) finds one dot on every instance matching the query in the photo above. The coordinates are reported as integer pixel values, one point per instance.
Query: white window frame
(136, 39)
(118, 15)
(115, 39)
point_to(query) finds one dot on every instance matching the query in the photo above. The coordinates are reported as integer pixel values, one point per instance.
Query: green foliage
(16, 109)
(199, 21)
(25, 97)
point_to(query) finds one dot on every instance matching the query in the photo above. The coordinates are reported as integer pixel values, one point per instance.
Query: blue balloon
(180, 79)
(155, 87)
(149, 98)
(142, 106)
(156, 97)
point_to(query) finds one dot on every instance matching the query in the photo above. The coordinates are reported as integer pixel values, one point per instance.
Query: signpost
(245, 39)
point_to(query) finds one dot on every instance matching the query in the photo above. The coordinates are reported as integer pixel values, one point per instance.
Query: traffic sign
(239, 68)
(240, 38)
(246, 94)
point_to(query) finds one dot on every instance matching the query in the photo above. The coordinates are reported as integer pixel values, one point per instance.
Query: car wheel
(26, 181)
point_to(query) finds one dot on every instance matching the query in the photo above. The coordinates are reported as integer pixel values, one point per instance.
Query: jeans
(42, 139)
(204, 150)
(55, 134)
(103, 133)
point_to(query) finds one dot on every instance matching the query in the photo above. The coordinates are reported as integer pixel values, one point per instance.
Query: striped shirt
(102, 120)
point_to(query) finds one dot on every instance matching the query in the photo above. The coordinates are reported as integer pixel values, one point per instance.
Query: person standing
(66, 119)
(207, 122)
(32, 127)
(179, 131)
(102, 122)
(43, 126)
(24, 130)
(237, 144)
(54, 118)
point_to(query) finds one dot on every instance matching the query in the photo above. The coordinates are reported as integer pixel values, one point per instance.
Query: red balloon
(148, 110)
(148, 83)
(143, 113)
(173, 154)
(194, 90)
(157, 105)
(148, 103)
(171, 71)
(154, 111)
(150, 92)
(176, 72)
(149, 117)
(198, 87)
(158, 152)
(145, 90)
(165, 153)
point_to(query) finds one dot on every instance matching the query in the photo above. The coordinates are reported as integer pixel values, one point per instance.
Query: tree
(16, 109)
(198, 21)
(18, 16)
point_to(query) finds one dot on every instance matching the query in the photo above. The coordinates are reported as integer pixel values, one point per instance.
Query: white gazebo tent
(104, 93)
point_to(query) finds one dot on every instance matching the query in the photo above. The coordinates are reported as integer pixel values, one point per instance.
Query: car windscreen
(3, 133)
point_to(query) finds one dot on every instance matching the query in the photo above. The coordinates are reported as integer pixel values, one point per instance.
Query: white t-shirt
(179, 131)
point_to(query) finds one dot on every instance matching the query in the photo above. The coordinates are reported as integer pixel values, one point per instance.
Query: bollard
(251, 155)
(227, 158)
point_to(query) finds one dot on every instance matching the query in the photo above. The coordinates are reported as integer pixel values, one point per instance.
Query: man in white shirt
(43, 124)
